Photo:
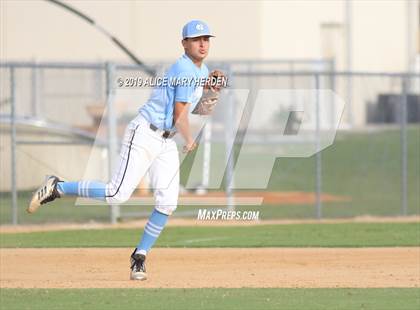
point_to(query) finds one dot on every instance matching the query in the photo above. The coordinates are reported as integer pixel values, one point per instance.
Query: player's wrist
(189, 146)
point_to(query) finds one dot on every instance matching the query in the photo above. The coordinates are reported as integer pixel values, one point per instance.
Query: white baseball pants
(144, 150)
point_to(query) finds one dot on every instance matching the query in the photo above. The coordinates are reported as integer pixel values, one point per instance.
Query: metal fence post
(403, 133)
(229, 140)
(207, 154)
(349, 60)
(229, 115)
(34, 91)
(333, 86)
(112, 133)
(318, 182)
(13, 145)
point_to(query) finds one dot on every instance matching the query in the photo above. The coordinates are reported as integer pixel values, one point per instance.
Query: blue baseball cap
(195, 28)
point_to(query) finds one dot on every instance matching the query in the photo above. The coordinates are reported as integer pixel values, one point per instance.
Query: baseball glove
(211, 92)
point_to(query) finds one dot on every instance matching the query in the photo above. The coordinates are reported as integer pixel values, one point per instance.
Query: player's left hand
(211, 91)
(216, 81)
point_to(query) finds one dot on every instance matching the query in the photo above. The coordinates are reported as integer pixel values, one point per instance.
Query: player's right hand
(189, 147)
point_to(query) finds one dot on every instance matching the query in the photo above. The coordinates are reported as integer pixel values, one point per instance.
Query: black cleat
(46, 193)
(138, 266)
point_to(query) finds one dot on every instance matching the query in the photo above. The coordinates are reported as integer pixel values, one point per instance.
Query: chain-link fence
(67, 119)
(373, 166)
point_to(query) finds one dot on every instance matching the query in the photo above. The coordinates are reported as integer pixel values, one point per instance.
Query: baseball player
(148, 146)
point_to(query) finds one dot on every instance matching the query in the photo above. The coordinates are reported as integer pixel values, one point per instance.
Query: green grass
(364, 166)
(219, 298)
(300, 235)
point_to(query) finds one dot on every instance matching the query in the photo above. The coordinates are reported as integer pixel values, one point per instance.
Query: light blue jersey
(159, 109)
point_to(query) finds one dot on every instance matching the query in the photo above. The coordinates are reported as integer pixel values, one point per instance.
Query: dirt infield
(253, 198)
(280, 198)
(266, 197)
(228, 267)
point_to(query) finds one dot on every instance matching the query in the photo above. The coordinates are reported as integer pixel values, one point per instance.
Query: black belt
(164, 133)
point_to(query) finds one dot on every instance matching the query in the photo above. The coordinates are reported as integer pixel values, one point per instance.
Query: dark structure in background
(387, 109)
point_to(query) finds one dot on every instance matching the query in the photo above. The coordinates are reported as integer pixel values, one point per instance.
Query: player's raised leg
(54, 188)
(134, 162)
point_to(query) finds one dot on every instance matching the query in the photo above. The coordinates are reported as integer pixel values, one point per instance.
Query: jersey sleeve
(185, 87)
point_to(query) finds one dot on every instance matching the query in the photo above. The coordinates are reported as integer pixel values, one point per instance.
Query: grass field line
(179, 222)
(204, 239)
(293, 235)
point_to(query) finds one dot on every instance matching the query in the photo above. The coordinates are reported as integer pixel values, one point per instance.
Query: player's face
(197, 48)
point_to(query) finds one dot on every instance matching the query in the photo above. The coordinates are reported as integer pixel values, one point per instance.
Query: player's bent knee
(115, 196)
(118, 198)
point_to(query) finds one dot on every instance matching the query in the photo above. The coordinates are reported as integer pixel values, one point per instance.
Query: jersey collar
(192, 63)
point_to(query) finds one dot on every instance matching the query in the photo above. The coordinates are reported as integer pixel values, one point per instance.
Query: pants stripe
(126, 164)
